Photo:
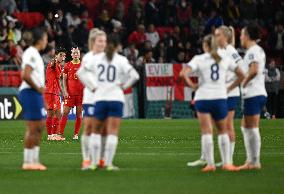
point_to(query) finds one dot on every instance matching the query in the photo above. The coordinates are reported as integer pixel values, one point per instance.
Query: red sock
(77, 125)
(63, 122)
(55, 122)
(48, 123)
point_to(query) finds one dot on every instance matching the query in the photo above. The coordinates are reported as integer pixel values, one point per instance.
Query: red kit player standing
(52, 94)
(73, 92)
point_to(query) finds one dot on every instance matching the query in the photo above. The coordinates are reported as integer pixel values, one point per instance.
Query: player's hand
(41, 90)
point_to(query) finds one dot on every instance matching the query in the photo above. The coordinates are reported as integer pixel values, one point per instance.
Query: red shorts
(52, 101)
(72, 101)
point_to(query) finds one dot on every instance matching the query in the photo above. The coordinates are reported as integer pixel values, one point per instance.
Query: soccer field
(152, 155)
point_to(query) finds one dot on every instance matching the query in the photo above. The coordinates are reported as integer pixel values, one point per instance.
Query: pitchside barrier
(166, 95)
(11, 109)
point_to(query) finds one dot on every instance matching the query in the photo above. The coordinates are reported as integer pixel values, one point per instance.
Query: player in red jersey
(52, 94)
(73, 92)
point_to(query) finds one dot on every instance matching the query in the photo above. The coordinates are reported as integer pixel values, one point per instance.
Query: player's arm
(133, 77)
(64, 85)
(26, 76)
(253, 70)
(86, 77)
(184, 74)
(240, 77)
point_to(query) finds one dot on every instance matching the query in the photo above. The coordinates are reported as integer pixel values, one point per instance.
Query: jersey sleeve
(29, 59)
(193, 64)
(126, 65)
(232, 65)
(251, 58)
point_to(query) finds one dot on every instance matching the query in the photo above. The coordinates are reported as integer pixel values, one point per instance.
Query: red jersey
(52, 82)
(74, 85)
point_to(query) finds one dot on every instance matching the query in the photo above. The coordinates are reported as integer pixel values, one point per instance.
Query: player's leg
(64, 119)
(95, 142)
(78, 122)
(231, 131)
(112, 125)
(48, 123)
(113, 121)
(104, 136)
(250, 127)
(88, 122)
(56, 118)
(207, 145)
(31, 146)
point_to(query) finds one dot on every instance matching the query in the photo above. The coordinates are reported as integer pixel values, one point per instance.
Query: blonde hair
(229, 32)
(93, 34)
(210, 41)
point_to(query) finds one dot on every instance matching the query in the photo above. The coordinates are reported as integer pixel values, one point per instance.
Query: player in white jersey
(211, 99)
(254, 95)
(31, 98)
(108, 75)
(97, 44)
(225, 40)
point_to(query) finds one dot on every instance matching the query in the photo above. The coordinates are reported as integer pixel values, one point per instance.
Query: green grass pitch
(152, 155)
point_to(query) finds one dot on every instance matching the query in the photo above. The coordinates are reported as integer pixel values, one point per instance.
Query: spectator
(81, 35)
(104, 21)
(146, 58)
(214, 21)
(9, 5)
(104, 5)
(131, 53)
(161, 52)
(134, 20)
(85, 17)
(15, 53)
(4, 52)
(276, 40)
(73, 19)
(138, 37)
(49, 54)
(152, 35)
(184, 13)
(272, 83)
(120, 10)
(233, 12)
(180, 58)
(151, 13)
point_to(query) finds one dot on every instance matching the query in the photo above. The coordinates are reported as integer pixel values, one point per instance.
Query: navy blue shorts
(89, 110)
(218, 109)
(33, 104)
(105, 109)
(254, 105)
(233, 102)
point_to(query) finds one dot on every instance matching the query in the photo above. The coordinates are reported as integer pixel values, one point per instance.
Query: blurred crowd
(151, 30)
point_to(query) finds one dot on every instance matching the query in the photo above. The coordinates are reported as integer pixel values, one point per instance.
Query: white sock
(95, 143)
(232, 149)
(255, 146)
(208, 148)
(103, 146)
(202, 157)
(246, 135)
(110, 148)
(85, 147)
(224, 147)
(36, 154)
(28, 155)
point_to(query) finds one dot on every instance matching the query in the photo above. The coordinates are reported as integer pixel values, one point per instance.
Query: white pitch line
(148, 153)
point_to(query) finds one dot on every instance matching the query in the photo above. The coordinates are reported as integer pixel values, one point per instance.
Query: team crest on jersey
(33, 60)
(251, 57)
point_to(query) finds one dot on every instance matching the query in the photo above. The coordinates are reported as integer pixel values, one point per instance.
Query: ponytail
(110, 50)
(210, 41)
(232, 40)
(112, 44)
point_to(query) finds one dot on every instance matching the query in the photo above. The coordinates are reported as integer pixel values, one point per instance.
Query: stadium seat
(29, 19)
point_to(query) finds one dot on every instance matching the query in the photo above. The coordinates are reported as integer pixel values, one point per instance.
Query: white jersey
(32, 58)
(256, 87)
(109, 76)
(211, 76)
(88, 95)
(231, 52)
